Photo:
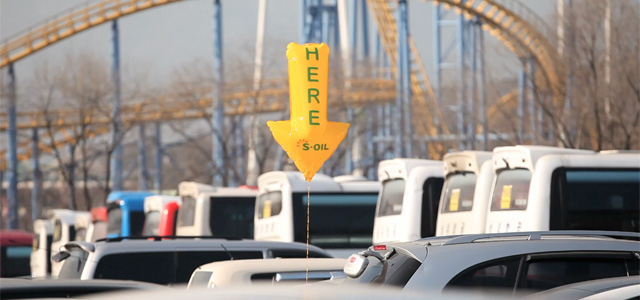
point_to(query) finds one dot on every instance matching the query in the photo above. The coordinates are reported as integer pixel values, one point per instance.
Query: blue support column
(116, 129)
(365, 29)
(157, 178)
(404, 79)
(37, 175)
(437, 55)
(461, 84)
(143, 172)
(218, 104)
(12, 151)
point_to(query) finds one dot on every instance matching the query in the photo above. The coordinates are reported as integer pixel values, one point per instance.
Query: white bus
(82, 224)
(41, 254)
(153, 208)
(341, 212)
(225, 212)
(568, 192)
(408, 203)
(466, 193)
(64, 231)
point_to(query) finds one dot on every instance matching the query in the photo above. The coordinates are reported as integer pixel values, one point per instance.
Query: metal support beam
(157, 179)
(12, 151)
(72, 176)
(116, 125)
(218, 108)
(522, 86)
(462, 83)
(37, 175)
(252, 157)
(483, 94)
(532, 101)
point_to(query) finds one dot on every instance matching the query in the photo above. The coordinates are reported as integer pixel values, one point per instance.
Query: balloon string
(306, 277)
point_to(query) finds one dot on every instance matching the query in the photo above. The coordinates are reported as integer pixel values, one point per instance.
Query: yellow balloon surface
(308, 137)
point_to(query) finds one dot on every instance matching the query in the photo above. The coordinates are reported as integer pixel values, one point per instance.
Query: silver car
(519, 262)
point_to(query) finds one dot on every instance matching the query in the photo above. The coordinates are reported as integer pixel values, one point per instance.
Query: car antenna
(228, 253)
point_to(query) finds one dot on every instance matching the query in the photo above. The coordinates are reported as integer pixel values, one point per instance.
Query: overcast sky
(160, 39)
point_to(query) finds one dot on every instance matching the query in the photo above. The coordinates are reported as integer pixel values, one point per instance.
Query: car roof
(119, 245)
(273, 265)
(13, 237)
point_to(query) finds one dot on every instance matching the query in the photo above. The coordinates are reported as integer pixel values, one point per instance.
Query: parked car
(21, 288)
(246, 272)
(15, 253)
(522, 262)
(165, 261)
(627, 287)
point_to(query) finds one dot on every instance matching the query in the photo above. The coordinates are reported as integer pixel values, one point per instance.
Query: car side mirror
(60, 256)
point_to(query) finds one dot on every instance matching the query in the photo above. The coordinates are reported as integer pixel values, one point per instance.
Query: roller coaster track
(273, 99)
(66, 24)
(520, 30)
(427, 108)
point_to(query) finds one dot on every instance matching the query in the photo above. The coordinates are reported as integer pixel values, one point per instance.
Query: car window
(155, 267)
(200, 279)
(72, 266)
(488, 276)
(544, 274)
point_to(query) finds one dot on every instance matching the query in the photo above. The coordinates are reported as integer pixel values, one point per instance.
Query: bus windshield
(151, 223)
(511, 190)
(114, 220)
(337, 220)
(458, 193)
(232, 217)
(391, 197)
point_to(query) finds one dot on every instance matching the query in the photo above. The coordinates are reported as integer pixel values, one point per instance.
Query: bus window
(269, 204)
(431, 191)
(114, 220)
(232, 217)
(605, 199)
(187, 212)
(151, 223)
(336, 220)
(511, 190)
(136, 223)
(458, 194)
(391, 197)
(57, 231)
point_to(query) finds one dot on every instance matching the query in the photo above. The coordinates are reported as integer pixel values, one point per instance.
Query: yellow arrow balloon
(308, 137)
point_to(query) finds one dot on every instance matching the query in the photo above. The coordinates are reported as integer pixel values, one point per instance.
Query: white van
(153, 207)
(565, 189)
(41, 254)
(466, 193)
(408, 203)
(64, 231)
(225, 212)
(341, 213)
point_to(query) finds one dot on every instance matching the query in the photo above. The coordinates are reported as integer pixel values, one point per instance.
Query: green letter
(305, 146)
(314, 96)
(309, 72)
(314, 52)
(311, 117)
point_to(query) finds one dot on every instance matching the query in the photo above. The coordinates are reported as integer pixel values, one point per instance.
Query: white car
(165, 261)
(249, 271)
